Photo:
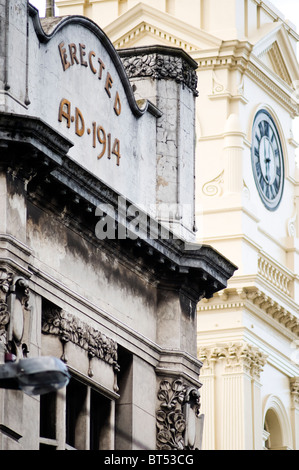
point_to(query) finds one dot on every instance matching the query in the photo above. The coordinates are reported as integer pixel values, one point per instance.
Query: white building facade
(247, 184)
(94, 271)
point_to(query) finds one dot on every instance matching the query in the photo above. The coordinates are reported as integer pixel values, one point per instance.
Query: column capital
(237, 357)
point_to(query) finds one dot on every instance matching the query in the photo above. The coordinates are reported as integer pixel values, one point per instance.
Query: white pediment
(273, 49)
(143, 25)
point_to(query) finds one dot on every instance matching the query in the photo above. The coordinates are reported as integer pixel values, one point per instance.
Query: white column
(294, 386)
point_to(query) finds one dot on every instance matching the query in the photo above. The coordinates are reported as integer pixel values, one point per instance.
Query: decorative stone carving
(173, 426)
(161, 66)
(6, 280)
(294, 388)
(18, 305)
(217, 87)
(70, 329)
(14, 298)
(215, 186)
(292, 222)
(238, 357)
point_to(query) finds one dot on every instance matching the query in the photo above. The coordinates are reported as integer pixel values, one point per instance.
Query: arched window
(277, 429)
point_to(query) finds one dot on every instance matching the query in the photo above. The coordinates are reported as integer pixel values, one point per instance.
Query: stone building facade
(98, 265)
(246, 200)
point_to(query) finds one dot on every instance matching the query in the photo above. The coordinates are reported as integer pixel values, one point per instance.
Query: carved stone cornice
(160, 62)
(237, 357)
(14, 302)
(70, 329)
(172, 419)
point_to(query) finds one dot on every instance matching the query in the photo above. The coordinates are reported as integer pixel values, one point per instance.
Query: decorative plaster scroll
(217, 86)
(172, 421)
(238, 357)
(69, 329)
(161, 66)
(214, 187)
(292, 222)
(294, 389)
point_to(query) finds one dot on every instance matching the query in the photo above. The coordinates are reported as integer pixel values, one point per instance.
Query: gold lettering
(73, 52)
(90, 55)
(102, 139)
(116, 150)
(82, 54)
(63, 56)
(108, 84)
(65, 114)
(79, 120)
(117, 104)
(102, 66)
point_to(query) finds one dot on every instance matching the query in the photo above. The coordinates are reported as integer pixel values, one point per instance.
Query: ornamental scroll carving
(160, 66)
(14, 299)
(176, 400)
(70, 329)
(6, 280)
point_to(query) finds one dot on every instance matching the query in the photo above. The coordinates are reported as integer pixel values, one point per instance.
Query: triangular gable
(273, 49)
(142, 21)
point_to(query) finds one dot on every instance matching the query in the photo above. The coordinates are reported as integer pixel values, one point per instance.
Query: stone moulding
(70, 329)
(160, 62)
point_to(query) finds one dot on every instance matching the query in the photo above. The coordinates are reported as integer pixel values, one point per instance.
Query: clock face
(267, 160)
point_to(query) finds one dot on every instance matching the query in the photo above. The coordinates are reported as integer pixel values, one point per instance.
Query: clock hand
(267, 159)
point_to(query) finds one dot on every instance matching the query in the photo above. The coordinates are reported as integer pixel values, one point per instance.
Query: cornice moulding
(256, 300)
(159, 19)
(273, 85)
(150, 351)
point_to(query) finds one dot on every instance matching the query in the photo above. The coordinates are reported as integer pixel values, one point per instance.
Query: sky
(290, 8)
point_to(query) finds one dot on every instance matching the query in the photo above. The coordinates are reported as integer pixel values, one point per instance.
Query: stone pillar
(208, 356)
(167, 77)
(14, 66)
(135, 422)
